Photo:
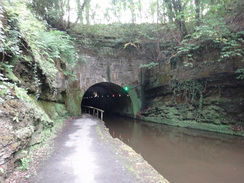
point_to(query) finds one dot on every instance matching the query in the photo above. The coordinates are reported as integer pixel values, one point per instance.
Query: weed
(25, 162)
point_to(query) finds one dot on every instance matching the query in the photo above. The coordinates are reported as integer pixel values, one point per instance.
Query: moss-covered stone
(136, 102)
(24, 122)
(73, 100)
(211, 118)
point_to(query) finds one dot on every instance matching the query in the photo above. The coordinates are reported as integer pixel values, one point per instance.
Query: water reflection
(183, 155)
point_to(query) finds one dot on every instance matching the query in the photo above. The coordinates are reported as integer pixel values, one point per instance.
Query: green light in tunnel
(126, 88)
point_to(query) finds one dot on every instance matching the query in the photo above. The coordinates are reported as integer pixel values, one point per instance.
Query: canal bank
(85, 152)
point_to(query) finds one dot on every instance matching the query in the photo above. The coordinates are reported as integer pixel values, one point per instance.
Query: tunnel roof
(105, 88)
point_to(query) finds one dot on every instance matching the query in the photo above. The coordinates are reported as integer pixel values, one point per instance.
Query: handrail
(93, 111)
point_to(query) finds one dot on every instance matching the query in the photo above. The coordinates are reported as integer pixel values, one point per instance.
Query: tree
(87, 11)
(57, 13)
(179, 16)
(197, 9)
(170, 13)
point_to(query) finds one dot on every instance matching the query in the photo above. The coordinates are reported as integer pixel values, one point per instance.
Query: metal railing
(93, 111)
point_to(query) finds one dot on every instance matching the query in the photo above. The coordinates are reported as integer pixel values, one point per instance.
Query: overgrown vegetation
(160, 30)
(213, 33)
(25, 161)
(241, 73)
(182, 31)
(50, 50)
(189, 92)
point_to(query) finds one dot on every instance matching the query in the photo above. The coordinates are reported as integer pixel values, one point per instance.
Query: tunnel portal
(109, 97)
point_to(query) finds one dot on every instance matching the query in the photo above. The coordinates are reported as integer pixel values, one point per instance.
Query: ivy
(190, 90)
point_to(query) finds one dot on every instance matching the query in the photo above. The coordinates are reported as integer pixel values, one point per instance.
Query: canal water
(183, 155)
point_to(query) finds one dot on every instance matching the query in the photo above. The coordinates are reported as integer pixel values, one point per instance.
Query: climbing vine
(37, 82)
(190, 91)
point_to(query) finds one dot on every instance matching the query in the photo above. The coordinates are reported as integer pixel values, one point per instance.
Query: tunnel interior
(109, 97)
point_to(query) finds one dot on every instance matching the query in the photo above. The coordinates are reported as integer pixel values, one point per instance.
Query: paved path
(78, 158)
(83, 155)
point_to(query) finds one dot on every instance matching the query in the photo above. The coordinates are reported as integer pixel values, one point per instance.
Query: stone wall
(205, 96)
(24, 122)
(120, 71)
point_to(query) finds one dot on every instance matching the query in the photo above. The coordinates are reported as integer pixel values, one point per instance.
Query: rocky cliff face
(24, 121)
(206, 95)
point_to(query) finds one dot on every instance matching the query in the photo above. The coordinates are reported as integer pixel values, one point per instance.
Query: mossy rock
(54, 110)
(164, 78)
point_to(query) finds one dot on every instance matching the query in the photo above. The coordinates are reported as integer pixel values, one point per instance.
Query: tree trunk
(197, 16)
(180, 21)
(87, 11)
(170, 13)
(80, 10)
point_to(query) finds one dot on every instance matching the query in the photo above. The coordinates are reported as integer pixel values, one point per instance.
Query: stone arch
(111, 98)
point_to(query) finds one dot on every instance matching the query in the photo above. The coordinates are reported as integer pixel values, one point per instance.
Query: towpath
(86, 153)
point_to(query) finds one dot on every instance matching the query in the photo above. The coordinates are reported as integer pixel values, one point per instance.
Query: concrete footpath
(86, 153)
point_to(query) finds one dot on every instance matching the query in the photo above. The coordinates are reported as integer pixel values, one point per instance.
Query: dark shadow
(109, 97)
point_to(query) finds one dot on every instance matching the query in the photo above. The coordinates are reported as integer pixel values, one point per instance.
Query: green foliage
(5, 89)
(35, 112)
(49, 48)
(21, 94)
(190, 91)
(241, 72)
(57, 44)
(116, 35)
(9, 45)
(50, 10)
(187, 46)
(149, 66)
(215, 34)
(205, 20)
(58, 13)
(25, 162)
(212, 27)
(10, 36)
(4, 93)
(231, 48)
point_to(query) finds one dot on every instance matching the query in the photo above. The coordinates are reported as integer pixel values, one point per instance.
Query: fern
(47, 46)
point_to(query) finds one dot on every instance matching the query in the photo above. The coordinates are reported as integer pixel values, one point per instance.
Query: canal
(183, 155)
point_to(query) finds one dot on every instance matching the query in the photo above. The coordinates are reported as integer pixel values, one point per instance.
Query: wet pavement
(86, 153)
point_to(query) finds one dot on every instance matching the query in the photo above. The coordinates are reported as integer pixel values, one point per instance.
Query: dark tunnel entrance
(109, 97)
